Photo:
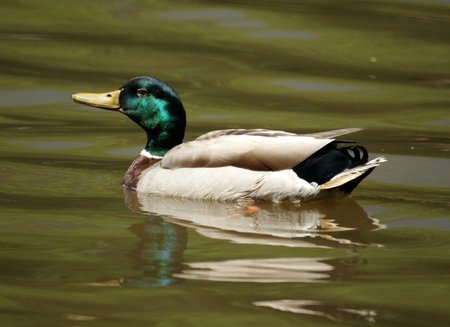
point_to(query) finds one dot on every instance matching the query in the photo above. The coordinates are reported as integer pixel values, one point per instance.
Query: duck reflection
(163, 238)
(158, 254)
(317, 308)
(309, 224)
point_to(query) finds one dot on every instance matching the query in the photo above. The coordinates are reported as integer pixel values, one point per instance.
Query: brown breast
(135, 170)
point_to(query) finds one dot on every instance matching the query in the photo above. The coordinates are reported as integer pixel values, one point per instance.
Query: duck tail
(340, 165)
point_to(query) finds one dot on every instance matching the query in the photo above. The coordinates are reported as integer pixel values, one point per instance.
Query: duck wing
(267, 132)
(255, 149)
(334, 133)
(242, 131)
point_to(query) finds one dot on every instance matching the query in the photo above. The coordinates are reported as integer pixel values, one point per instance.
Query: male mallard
(229, 164)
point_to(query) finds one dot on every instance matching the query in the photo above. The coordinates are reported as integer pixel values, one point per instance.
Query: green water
(75, 250)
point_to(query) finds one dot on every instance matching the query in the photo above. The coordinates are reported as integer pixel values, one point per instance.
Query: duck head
(151, 104)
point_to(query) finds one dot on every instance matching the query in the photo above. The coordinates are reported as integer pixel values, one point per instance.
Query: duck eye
(142, 92)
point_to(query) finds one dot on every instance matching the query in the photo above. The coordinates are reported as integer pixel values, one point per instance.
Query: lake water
(76, 250)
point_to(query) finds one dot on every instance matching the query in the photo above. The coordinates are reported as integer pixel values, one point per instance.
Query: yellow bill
(109, 100)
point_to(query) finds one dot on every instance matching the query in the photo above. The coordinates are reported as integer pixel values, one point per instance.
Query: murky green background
(76, 251)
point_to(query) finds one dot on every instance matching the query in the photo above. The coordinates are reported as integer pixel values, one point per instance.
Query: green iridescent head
(151, 104)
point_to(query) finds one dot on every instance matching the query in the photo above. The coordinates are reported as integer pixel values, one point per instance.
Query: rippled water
(75, 249)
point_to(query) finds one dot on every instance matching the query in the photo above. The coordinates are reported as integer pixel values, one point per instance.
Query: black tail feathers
(332, 160)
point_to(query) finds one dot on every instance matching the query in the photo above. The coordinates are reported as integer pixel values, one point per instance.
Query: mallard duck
(229, 164)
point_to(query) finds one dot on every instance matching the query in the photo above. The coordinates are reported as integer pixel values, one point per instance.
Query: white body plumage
(226, 184)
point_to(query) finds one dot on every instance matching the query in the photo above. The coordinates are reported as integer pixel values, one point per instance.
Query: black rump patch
(330, 161)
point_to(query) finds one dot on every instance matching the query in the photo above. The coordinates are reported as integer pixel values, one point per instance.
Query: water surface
(76, 250)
